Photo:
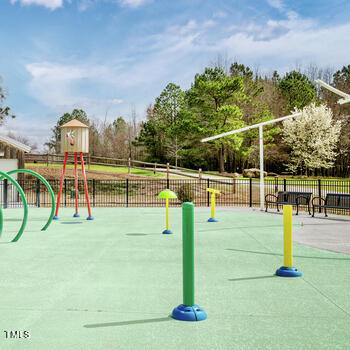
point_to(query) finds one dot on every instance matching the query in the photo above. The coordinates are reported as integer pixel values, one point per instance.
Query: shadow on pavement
(136, 234)
(238, 227)
(127, 323)
(251, 278)
(295, 256)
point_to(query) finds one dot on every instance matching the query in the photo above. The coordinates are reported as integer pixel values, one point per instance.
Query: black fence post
(208, 200)
(5, 193)
(38, 193)
(93, 192)
(276, 184)
(167, 183)
(319, 193)
(65, 192)
(284, 185)
(21, 183)
(127, 192)
(250, 192)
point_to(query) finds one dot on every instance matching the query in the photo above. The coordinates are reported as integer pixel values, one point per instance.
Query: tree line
(221, 100)
(227, 97)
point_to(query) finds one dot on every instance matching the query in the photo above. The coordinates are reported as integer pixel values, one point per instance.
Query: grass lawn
(289, 178)
(327, 184)
(298, 183)
(111, 283)
(106, 168)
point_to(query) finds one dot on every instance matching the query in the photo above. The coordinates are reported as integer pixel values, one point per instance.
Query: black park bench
(292, 198)
(332, 201)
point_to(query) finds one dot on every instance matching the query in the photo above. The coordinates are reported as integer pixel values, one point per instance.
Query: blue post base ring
(90, 218)
(76, 215)
(55, 218)
(213, 220)
(167, 232)
(189, 313)
(288, 272)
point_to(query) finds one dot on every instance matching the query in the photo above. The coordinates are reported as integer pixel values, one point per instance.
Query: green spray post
(188, 311)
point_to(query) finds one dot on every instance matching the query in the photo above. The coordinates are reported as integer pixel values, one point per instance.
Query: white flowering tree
(312, 138)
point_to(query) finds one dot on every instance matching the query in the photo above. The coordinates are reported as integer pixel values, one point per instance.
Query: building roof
(74, 124)
(15, 144)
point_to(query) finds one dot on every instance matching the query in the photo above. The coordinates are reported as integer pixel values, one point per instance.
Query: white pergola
(345, 99)
(261, 147)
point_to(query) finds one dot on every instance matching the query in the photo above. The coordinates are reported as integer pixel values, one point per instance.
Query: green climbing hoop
(49, 188)
(24, 200)
(1, 220)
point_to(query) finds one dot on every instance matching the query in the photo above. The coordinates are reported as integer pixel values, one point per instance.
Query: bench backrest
(291, 197)
(338, 200)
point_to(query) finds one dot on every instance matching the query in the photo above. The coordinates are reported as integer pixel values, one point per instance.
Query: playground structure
(74, 139)
(212, 204)
(167, 194)
(288, 270)
(24, 199)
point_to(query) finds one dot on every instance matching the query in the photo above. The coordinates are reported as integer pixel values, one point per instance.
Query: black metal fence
(140, 193)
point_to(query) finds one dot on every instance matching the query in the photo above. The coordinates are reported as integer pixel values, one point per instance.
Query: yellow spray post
(287, 270)
(167, 194)
(212, 201)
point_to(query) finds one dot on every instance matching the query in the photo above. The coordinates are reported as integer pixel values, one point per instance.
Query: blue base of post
(288, 272)
(189, 313)
(76, 215)
(55, 218)
(213, 220)
(90, 218)
(167, 232)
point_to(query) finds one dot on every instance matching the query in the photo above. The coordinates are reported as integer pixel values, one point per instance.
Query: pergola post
(261, 151)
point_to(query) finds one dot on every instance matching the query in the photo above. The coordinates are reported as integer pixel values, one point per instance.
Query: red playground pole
(90, 217)
(76, 215)
(61, 185)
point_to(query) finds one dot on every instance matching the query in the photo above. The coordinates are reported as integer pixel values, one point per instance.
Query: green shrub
(185, 193)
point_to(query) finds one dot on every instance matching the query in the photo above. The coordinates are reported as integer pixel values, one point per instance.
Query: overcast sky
(105, 56)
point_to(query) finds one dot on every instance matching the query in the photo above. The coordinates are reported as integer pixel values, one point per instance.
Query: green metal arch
(1, 220)
(24, 200)
(49, 188)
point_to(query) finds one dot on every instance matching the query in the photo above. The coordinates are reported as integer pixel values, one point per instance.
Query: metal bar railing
(140, 192)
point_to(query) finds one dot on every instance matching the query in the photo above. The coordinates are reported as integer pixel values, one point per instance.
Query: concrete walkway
(191, 175)
(332, 233)
(328, 233)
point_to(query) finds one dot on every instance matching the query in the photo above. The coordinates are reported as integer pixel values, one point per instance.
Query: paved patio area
(112, 283)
